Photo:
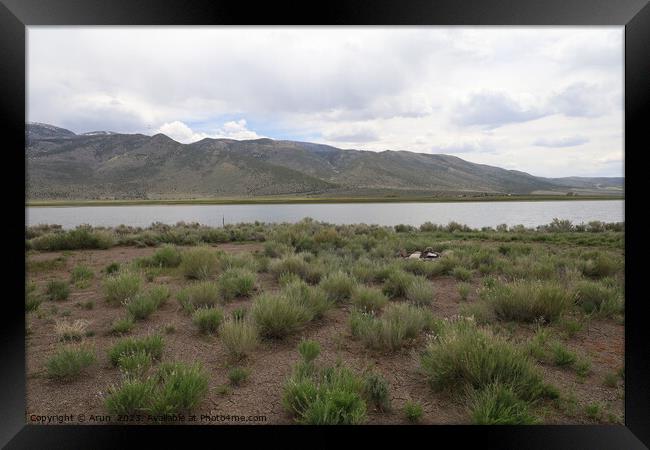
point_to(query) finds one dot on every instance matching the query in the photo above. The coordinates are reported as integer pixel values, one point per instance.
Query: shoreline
(305, 200)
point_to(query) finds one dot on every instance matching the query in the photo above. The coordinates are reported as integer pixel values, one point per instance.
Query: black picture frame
(15, 15)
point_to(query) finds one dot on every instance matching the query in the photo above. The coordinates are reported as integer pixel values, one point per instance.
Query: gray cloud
(571, 141)
(493, 109)
(583, 100)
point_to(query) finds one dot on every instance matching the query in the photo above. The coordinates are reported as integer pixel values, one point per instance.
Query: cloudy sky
(546, 100)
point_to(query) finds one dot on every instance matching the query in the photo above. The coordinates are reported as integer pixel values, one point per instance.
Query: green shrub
(527, 301)
(422, 268)
(463, 355)
(497, 404)
(158, 294)
(81, 275)
(112, 268)
(121, 287)
(582, 367)
(562, 356)
(610, 380)
(309, 350)
(77, 239)
(236, 283)
(461, 273)
(57, 290)
(132, 397)
(239, 337)
(153, 345)
(570, 327)
(312, 298)
(368, 299)
(338, 286)
(397, 325)
(363, 270)
(463, 290)
(397, 282)
(538, 345)
(33, 298)
(291, 264)
(180, 388)
(198, 263)
(377, 391)
(413, 411)
(596, 298)
(207, 319)
(202, 294)
(141, 306)
(69, 362)
(595, 411)
(600, 266)
(331, 396)
(275, 249)
(239, 313)
(166, 256)
(277, 316)
(238, 375)
(479, 311)
(420, 292)
(122, 326)
(287, 278)
(175, 388)
(135, 364)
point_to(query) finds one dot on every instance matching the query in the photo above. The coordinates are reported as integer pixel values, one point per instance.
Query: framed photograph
(384, 218)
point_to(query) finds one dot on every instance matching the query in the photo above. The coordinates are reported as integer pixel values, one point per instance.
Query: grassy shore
(316, 200)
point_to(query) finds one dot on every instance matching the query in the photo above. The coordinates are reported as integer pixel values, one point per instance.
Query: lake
(473, 214)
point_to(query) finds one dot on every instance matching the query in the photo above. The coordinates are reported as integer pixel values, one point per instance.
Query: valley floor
(591, 394)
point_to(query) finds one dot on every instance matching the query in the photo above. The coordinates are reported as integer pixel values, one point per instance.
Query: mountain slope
(63, 165)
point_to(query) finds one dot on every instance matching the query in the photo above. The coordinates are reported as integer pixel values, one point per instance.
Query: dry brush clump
(278, 315)
(152, 344)
(462, 354)
(77, 239)
(173, 389)
(201, 294)
(528, 301)
(239, 336)
(368, 299)
(142, 305)
(121, 287)
(69, 362)
(338, 286)
(199, 263)
(71, 331)
(399, 324)
(236, 282)
(207, 320)
(332, 395)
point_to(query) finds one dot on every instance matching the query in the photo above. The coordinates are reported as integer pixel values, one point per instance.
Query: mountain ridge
(108, 165)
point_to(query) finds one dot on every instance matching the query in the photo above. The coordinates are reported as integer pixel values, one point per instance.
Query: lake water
(473, 214)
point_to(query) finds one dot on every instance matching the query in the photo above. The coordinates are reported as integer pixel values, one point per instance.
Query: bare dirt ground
(270, 365)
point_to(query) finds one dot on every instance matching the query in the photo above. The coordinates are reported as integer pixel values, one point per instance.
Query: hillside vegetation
(64, 165)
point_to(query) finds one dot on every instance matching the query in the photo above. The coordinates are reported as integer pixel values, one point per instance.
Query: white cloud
(180, 132)
(236, 130)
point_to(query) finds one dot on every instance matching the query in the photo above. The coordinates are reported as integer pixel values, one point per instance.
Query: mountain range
(107, 165)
